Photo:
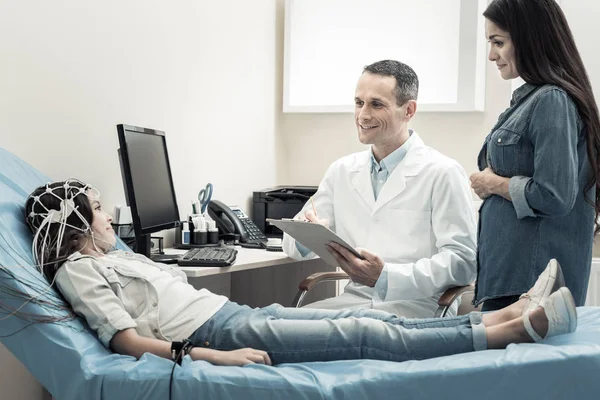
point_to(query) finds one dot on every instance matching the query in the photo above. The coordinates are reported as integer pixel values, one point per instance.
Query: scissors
(204, 197)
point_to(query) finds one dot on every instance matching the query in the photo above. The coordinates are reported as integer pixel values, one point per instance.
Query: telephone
(234, 220)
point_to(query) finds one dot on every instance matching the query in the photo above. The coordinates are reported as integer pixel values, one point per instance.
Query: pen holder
(200, 237)
(213, 236)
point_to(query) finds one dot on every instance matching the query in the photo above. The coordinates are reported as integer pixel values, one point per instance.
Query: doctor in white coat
(405, 205)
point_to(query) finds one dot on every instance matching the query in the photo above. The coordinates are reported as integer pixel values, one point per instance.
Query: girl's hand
(239, 357)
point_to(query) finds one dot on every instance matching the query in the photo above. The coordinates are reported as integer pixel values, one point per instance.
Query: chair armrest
(314, 279)
(453, 293)
(318, 277)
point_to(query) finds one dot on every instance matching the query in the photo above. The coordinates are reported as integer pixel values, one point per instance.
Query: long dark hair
(73, 239)
(545, 53)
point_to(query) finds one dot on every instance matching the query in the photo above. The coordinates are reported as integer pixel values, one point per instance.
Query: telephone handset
(234, 220)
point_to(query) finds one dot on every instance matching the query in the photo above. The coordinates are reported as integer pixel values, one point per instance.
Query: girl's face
(502, 50)
(103, 234)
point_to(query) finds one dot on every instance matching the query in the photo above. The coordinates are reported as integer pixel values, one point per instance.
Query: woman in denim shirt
(539, 165)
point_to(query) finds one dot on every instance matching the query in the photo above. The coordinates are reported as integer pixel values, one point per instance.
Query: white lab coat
(422, 225)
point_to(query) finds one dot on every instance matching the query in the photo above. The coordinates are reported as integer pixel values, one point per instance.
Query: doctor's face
(379, 119)
(502, 50)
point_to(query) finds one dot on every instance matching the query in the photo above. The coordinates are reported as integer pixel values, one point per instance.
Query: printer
(278, 202)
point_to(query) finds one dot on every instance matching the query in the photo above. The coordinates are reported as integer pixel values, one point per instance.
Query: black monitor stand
(143, 245)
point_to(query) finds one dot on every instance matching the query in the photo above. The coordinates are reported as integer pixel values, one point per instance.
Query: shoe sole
(554, 268)
(569, 304)
(559, 280)
(555, 281)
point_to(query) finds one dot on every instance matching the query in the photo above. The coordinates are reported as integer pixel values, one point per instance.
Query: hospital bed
(70, 362)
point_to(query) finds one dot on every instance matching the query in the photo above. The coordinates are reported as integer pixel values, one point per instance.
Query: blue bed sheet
(72, 364)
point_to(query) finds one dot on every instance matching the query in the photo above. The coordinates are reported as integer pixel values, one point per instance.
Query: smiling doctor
(406, 205)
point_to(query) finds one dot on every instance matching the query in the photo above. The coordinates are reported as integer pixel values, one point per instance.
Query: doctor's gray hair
(407, 82)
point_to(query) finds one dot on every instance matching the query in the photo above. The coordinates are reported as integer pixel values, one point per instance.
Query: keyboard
(208, 257)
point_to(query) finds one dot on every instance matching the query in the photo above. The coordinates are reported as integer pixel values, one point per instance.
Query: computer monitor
(148, 183)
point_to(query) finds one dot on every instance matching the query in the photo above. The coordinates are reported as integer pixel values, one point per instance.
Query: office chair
(446, 300)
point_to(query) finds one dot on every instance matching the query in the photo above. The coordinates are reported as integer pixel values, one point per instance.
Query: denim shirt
(539, 143)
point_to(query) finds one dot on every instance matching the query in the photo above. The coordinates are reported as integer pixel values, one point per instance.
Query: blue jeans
(292, 335)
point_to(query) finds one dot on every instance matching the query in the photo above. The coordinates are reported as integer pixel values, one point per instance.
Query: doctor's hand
(310, 215)
(366, 272)
(487, 183)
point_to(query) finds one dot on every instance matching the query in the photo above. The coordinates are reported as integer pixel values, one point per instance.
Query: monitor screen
(147, 179)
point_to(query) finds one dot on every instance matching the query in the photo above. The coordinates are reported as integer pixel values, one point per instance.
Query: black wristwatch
(180, 349)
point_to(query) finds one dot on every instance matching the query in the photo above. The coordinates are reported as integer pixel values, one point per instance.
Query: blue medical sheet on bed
(71, 363)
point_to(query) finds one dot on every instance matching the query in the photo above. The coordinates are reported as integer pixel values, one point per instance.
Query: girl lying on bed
(137, 306)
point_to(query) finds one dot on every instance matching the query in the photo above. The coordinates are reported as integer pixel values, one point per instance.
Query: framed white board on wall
(328, 43)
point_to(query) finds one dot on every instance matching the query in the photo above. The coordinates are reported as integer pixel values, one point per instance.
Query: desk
(259, 278)
(246, 259)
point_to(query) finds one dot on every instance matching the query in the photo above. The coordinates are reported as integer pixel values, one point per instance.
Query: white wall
(312, 141)
(583, 19)
(202, 71)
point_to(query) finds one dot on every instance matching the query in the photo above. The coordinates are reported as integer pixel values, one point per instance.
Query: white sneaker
(549, 281)
(561, 313)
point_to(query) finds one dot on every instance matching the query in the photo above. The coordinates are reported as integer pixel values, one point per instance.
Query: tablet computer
(314, 236)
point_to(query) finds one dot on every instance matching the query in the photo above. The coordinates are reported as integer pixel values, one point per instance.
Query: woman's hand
(487, 183)
(239, 357)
